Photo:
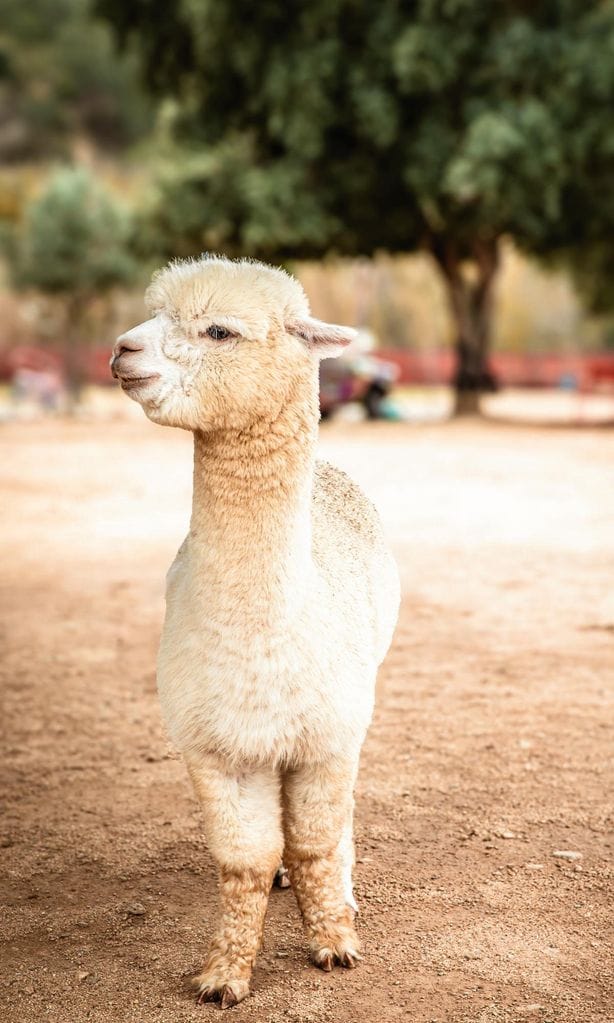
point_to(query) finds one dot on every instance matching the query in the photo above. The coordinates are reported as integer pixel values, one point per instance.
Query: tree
(331, 125)
(61, 81)
(73, 243)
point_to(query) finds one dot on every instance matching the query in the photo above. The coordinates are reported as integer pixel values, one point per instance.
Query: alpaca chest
(263, 698)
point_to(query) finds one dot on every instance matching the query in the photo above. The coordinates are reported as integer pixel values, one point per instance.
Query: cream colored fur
(281, 602)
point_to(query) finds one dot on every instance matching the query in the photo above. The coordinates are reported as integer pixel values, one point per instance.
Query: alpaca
(281, 602)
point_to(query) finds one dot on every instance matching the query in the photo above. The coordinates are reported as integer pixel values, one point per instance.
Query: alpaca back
(350, 551)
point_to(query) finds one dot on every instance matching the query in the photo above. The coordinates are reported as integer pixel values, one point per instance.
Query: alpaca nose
(125, 343)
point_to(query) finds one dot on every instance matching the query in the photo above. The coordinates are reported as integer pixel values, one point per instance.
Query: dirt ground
(487, 755)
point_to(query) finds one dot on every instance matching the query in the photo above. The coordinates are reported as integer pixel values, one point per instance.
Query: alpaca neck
(251, 517)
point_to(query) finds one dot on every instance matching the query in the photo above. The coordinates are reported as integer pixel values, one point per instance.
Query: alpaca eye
(217, 333)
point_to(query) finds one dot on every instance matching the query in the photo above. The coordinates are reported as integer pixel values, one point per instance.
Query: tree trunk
(73, 368)
(471, 304)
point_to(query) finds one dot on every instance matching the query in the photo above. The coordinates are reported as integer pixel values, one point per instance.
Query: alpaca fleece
(281, 602)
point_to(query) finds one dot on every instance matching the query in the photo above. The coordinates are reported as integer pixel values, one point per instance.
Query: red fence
(582, 372)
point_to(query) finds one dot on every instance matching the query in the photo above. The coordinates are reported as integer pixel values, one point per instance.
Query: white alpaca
(281, 602)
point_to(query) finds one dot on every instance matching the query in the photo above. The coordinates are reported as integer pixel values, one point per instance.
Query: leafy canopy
(320, 125)
(74, 238)
(60, 78)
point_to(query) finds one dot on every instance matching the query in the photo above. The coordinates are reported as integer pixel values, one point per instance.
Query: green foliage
(593, 271)
(60, 78)
(222, 199)
(326, 125)
(74, 239)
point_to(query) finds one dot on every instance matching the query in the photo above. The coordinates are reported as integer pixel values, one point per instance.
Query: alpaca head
(228, 342)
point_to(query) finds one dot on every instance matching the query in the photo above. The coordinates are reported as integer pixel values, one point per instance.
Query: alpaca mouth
(128, 383)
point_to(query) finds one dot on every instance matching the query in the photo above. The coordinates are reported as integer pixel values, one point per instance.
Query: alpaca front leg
(318, 853)
(242, 815)
(348, 860)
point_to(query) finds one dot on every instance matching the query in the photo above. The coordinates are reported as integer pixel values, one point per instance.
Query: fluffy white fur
(281, 602)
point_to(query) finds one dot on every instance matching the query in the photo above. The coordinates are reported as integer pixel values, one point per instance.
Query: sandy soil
(488, 751)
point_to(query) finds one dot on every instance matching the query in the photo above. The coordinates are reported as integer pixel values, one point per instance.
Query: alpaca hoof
(227, 994)
(338, 955)
(349, 959)
(281, 879)
(324, 959)
(228, 998)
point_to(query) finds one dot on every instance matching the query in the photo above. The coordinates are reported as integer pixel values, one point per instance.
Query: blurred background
(440, 174)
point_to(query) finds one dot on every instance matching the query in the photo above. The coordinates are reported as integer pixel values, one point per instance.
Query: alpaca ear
(326, 340)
